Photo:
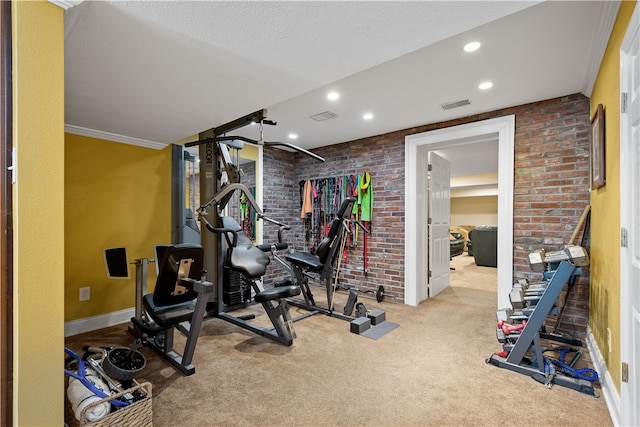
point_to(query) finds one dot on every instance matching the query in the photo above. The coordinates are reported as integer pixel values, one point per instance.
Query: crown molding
(77, 130)
(601, 35)
(66, 4)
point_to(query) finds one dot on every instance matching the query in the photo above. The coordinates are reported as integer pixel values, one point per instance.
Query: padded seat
(245, 257)
(306, 260)
(180, 297)
(316, 262)
(177, 260)
(249, 260)
(278, 292)
(167, 316)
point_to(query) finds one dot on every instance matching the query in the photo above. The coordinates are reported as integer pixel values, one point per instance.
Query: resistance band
(584, 373)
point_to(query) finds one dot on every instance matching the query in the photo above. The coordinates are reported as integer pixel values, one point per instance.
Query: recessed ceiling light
(333, 96)
(470, 47)
(293, 136)
(485, 85)
(367, 116)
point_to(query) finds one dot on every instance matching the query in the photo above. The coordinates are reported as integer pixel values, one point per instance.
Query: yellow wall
(249, 152)
(116, 195)
(474, 210)
(38, 213)
(604, 310)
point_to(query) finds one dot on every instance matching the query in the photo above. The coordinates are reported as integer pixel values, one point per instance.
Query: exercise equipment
(178, 302)
(521, 331)
(96, 384)
(509, 329)
(183, 297)
(365, 201)
(324, 265)
(324, 261)
(96, 396)
(233, 262)
(542, 260)
(243, 265)
(552, 366)
(124, 364)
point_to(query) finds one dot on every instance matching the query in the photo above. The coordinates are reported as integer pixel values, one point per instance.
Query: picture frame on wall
(597, 149)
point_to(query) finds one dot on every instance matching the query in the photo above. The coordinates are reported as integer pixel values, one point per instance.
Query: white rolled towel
(80, 396)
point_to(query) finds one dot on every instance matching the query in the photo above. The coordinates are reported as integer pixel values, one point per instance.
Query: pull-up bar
(254, 142)
(255, 117)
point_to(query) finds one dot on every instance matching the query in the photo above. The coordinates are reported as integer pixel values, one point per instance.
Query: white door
(630, 223)
(438, 228)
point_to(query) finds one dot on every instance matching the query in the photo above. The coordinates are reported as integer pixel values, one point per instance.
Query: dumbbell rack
(529, 338)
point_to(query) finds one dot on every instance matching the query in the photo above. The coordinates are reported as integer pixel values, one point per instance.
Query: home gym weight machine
(231, 260)
(183, 295)
(214, 151)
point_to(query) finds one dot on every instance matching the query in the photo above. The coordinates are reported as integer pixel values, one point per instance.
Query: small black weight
(380, 294)
(121, 364)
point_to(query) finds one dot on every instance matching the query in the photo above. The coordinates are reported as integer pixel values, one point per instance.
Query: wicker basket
(138, 414)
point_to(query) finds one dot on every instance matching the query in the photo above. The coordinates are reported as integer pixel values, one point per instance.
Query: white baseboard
(89, 324)
(609, 391)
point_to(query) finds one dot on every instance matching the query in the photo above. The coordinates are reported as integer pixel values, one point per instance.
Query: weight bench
(323, 261)
(179, 302)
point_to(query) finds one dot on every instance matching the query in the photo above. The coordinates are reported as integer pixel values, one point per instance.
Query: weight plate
(159, 340)
(361, 310)
(380, 294)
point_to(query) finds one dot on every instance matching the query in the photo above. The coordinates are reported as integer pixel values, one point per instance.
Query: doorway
(417, 148)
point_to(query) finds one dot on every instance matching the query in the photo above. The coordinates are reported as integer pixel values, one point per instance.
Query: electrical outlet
(609, 339)
(85, 294)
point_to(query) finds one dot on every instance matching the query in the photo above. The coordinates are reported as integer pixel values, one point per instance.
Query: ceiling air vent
(450, 105)
(321, 117)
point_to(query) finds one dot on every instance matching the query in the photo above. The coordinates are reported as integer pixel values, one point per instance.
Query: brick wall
(551, 190)
(551, 186)
(279, 202)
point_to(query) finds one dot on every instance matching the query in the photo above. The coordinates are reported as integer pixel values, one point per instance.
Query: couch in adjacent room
(483, 245)
(464, 231)
(456, 244)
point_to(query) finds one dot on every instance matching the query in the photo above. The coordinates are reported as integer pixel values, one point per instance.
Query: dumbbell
(509, 315)
(578, 255)
(520, 300)
(531, 289)
(504, 338)
(510, 329)
(538, 260)
(506, 333)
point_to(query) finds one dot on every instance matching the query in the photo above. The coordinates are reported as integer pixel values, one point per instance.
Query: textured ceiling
(154, 72)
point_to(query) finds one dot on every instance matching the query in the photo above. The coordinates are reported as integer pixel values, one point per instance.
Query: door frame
(416, 201)
(6, 248)
(627, 189)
